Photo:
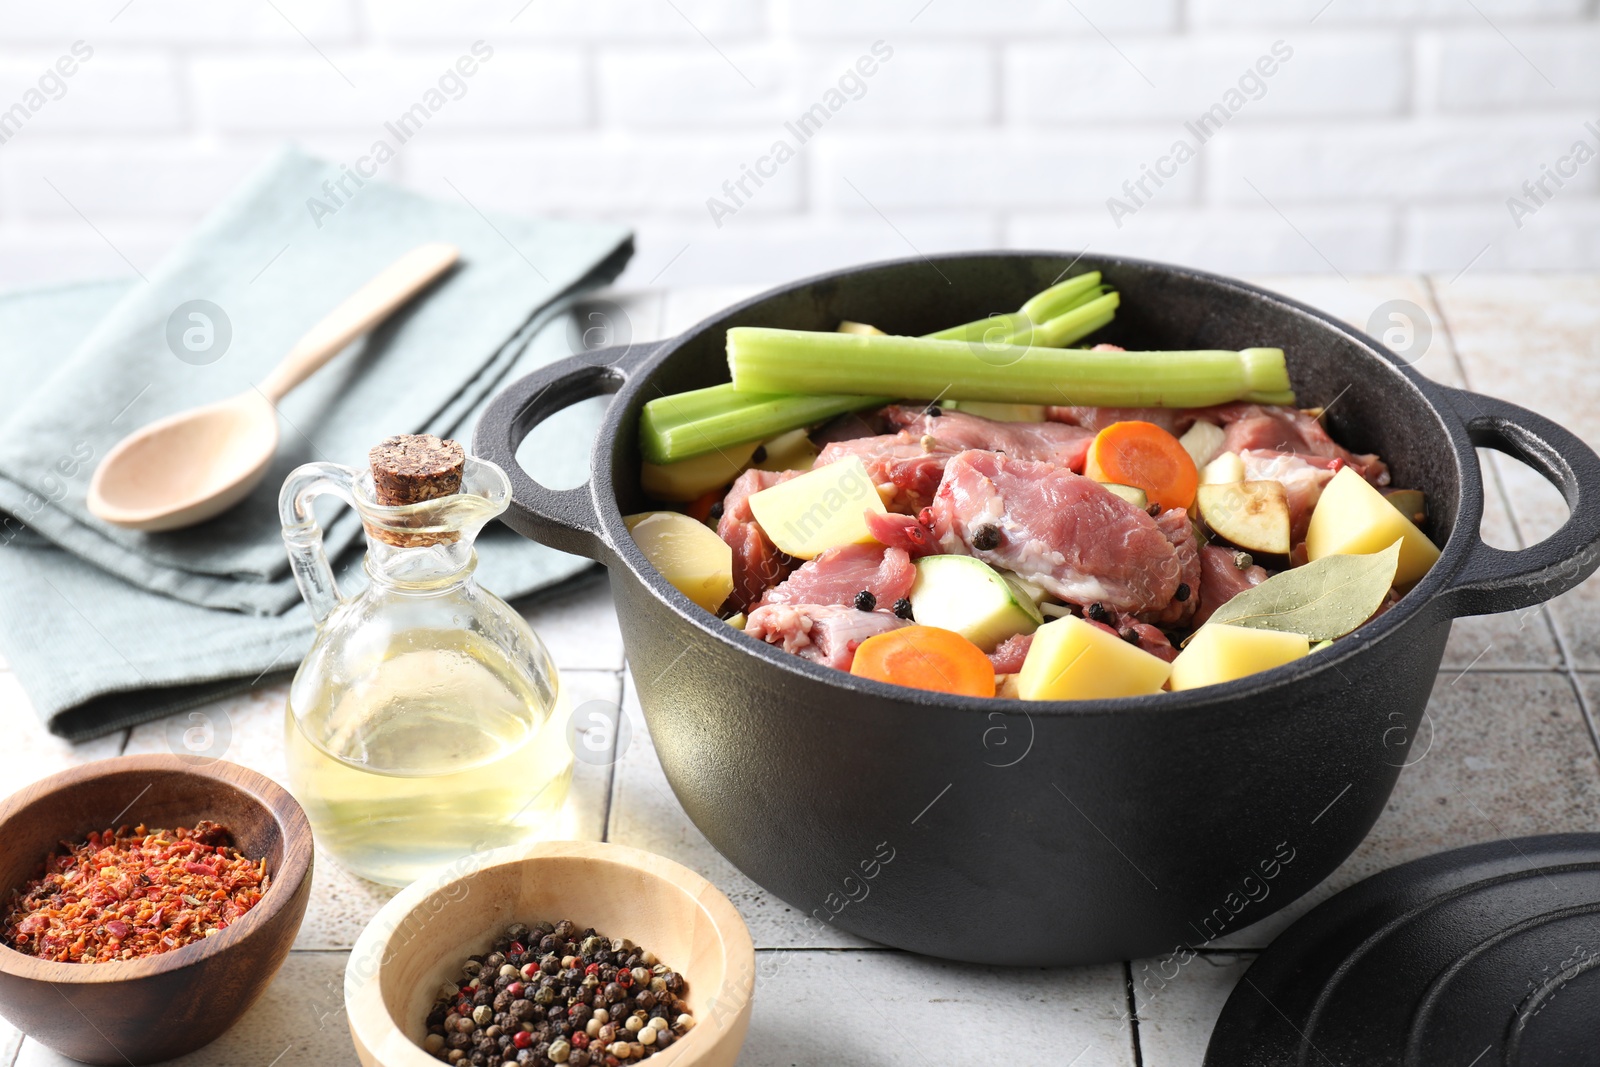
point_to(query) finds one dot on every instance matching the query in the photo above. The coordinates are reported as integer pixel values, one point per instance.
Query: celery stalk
(798, 361)
(1062, 297)
(1017, 327)
(1073, 325)
(752, 417)
(679, 408)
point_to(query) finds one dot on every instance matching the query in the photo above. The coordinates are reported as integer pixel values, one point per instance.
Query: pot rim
(1424, 597)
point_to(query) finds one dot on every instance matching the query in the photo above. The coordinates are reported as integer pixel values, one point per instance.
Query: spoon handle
(360, 311)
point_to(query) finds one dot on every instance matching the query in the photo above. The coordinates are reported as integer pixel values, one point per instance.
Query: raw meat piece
(1221, 580)
(908, 465)
(915, 535)
(823, 633)
(1175, 524)
(1009, 654)
(1256, 427)
(905, 469)
(957, 431)
(1057, 529)
(837, 575)
(1093, 420)
(757, 563)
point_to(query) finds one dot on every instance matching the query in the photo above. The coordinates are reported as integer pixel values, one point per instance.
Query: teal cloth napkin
(106, 628)
(275, 268)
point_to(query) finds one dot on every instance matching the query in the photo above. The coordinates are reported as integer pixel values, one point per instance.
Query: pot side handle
(564, 519)
(1492, 580)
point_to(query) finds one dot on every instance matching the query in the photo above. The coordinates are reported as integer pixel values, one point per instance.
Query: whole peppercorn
(613, 992)
(986, 537)
(590, 945)
(550, 965)
(579, 1014)
(520, 1011)
(579, 1058)
(563, 929)
(517, 931)
(459, 1040)
(494, 961)
(674, 983)
(866, 600)
(472, 967)
(559, 1051)
(483, 1014)
(1097, 612)
(902, 608)
(645, 1000)
(544, 996)
(1181, 593)
(548, 944)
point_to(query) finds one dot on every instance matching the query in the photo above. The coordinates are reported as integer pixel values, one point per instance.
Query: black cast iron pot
(1049, 833)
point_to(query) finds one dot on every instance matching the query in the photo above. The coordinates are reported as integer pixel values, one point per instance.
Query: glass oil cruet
(423, 725)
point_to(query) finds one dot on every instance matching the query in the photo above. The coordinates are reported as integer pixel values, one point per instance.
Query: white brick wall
(1391, 139)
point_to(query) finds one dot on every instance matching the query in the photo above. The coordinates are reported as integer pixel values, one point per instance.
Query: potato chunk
(1071, 659)
(1353, 519)
(819, 510)
(697, 562)
(689, 479)
(1220, 653)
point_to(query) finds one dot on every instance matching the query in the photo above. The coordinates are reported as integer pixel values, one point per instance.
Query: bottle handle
(303, 537)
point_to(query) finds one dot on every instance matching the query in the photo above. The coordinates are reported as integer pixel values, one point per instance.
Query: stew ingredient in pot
(1092, 522)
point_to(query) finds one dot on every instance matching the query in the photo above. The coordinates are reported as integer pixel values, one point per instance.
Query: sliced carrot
(1143, 455)
(926, 657)
(699, 509)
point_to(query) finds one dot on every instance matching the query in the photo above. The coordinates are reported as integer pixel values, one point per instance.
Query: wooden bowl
(421, 937)
(145, 1010)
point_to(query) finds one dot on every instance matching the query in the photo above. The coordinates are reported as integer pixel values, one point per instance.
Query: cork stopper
(411, 468)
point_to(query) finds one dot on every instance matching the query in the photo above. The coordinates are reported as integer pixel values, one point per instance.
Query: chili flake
(134, 892)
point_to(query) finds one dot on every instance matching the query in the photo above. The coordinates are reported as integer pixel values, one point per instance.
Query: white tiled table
(1513, 751)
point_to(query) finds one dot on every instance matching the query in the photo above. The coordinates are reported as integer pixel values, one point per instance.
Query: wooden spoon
(191, 466)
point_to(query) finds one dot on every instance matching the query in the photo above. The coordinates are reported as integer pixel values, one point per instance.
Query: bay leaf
(1324, 599)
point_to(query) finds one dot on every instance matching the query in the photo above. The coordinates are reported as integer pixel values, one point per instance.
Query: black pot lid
(1479, 957)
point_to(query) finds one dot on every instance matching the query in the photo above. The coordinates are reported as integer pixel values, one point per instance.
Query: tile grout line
(1133, 1012)
(1568, 665)
(616, 757)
